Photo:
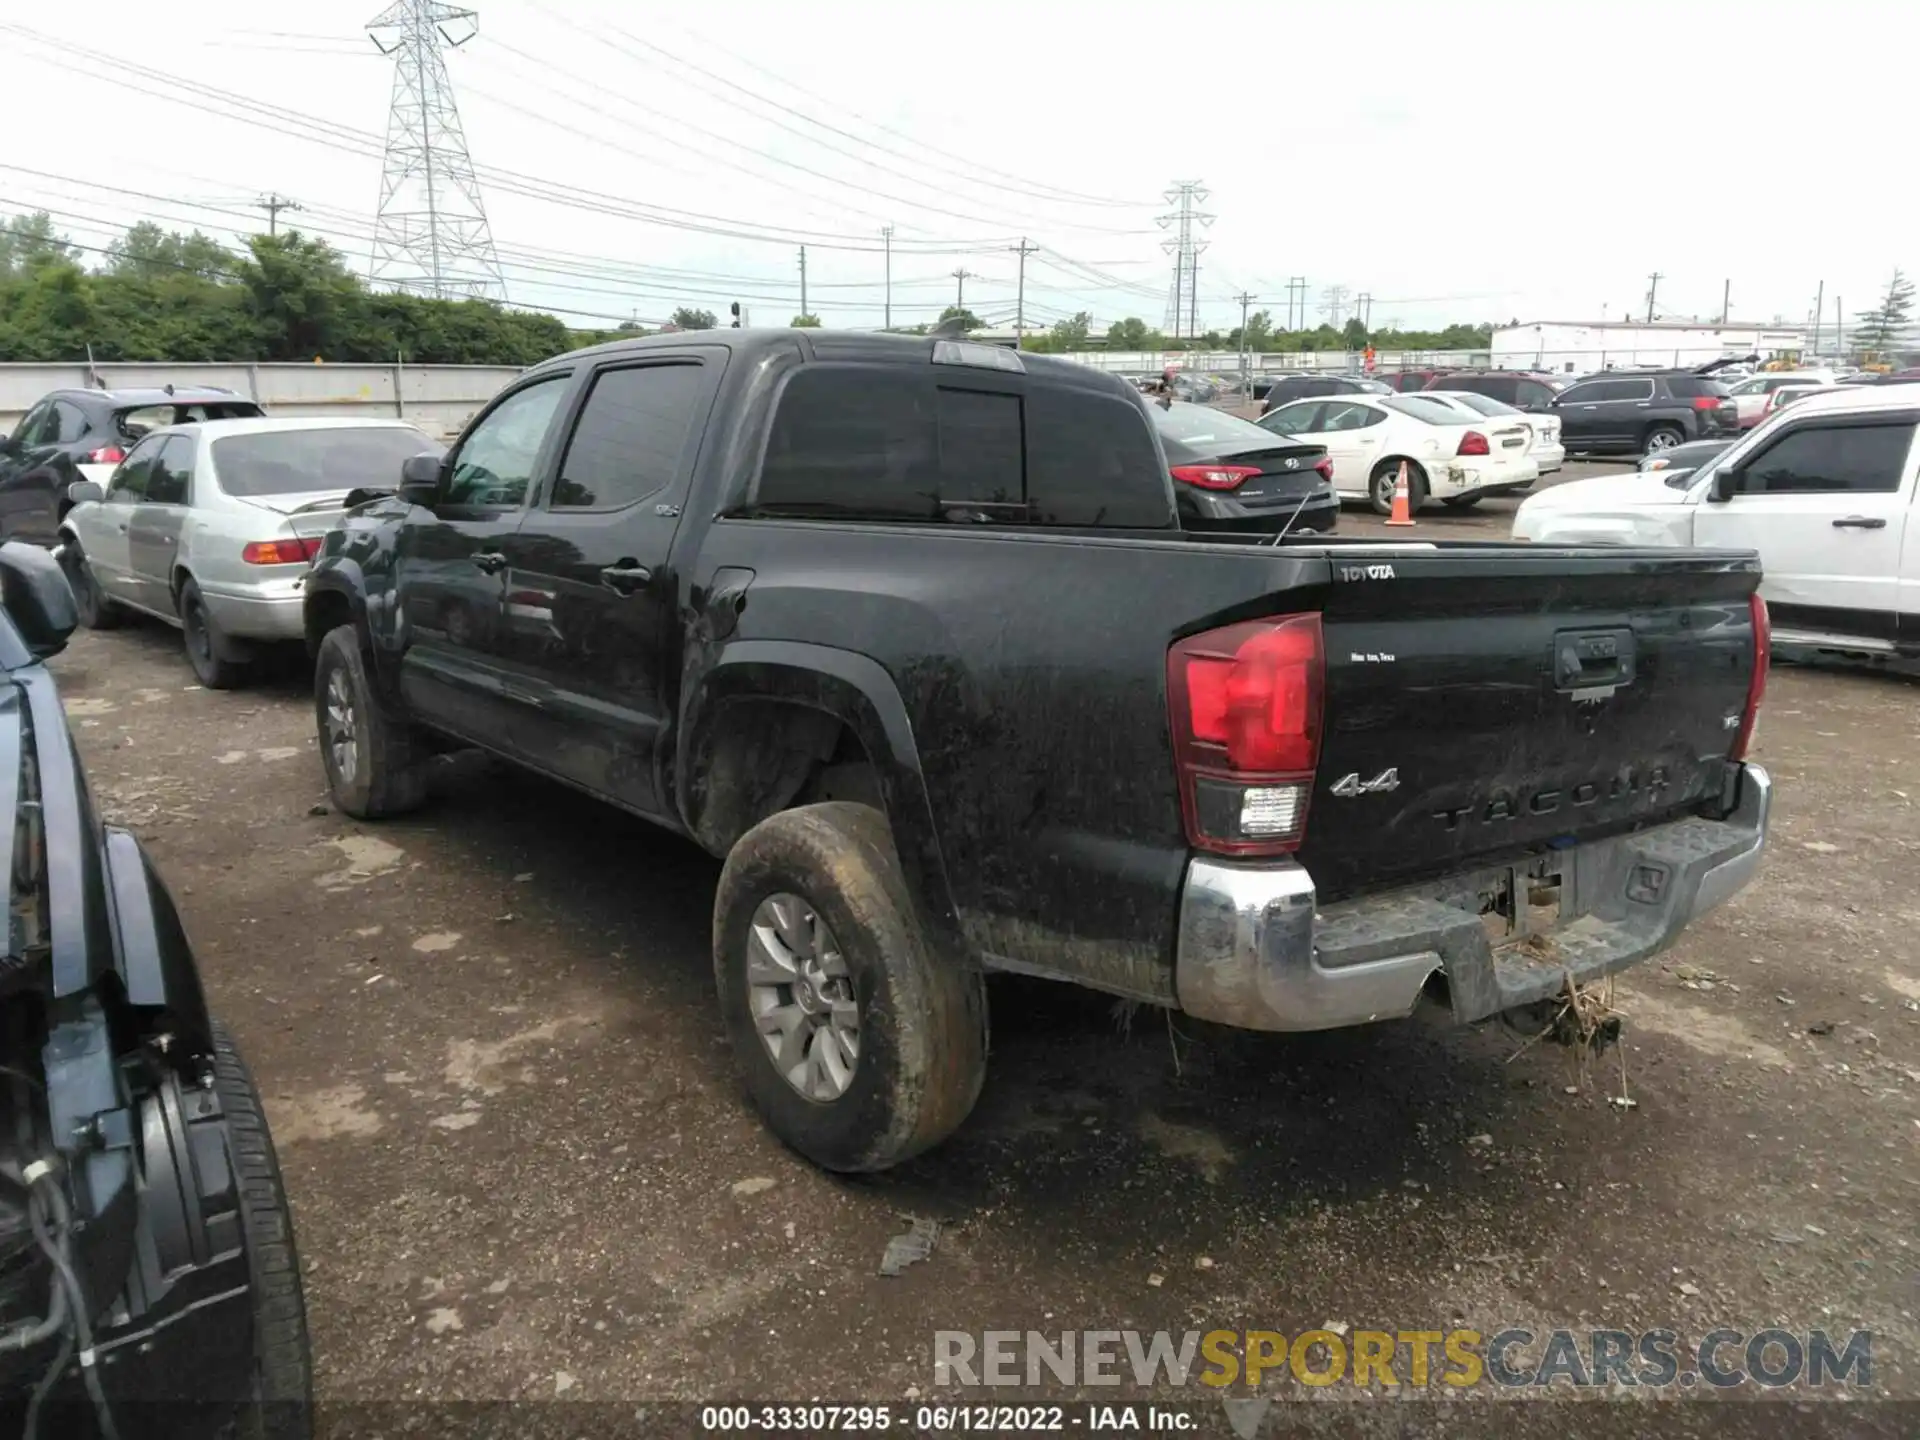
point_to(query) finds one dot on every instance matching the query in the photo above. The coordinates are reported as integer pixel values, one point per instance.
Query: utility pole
(803, 281)
(1297, 308)
(273, 204)
(1363, 307)
(1819, 314)
(1246, 347)
(1726, 296)
(1183, 298)
(961, 276)
(886, 234)
(1023, 249)
(1653, 284)
(1839, 328)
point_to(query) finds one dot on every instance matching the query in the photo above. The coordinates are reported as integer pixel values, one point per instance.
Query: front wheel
(1386, 478)
(1663, 437)
(203, 642)
(372, 759)
(90, 604)
(859, 1045)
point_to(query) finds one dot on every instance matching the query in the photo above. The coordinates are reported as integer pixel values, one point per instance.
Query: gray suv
(1644, 412)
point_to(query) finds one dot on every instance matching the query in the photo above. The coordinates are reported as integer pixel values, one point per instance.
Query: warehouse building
(1579, 347)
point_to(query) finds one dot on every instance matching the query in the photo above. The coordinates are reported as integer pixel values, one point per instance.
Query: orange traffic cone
(1402, 500)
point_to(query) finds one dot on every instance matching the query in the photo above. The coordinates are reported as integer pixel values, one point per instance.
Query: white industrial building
(1576, 347)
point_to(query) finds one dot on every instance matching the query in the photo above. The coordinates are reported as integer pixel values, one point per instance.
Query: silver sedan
(211, 526)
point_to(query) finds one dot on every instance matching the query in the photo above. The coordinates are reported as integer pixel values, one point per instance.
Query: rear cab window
(932, 444)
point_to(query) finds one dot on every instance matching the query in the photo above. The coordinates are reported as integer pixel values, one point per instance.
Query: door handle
(626, 577)
(490, 561)
(1860, 522)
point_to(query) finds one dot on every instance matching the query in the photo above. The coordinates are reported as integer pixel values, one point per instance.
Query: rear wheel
(1386, 477)
(1663, 437)
(374, 762)
(203, 642)
(90, 604)
(860, 1046)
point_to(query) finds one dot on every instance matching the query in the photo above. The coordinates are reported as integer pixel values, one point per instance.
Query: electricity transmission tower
(431, 236)
(1183, 298)
(1333, 303)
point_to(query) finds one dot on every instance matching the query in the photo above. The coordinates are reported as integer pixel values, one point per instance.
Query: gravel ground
(520, 1166)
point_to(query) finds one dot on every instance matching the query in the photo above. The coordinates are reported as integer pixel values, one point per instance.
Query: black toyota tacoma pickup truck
(906, 630)
(148, 1282)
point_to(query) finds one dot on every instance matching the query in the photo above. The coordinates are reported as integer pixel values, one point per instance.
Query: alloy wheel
(801, 995)
(343, 739)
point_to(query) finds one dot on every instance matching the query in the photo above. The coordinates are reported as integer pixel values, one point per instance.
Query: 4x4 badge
(1350, 785)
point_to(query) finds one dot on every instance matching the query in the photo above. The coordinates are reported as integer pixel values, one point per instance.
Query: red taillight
(280, 552)
(106, 455)
(1245, 707)
(1706, 402)
(1474, 443)
(1216, 477)
(1324, 465)
(1756, 682)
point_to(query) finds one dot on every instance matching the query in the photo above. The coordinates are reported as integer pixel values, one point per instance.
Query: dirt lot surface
(520, 1166)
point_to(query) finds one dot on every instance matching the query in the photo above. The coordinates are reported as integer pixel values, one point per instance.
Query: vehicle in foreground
(1449, 456)
(1751, 396)
(1545, 449)
(906, 629)
(1823, 491)
(1289, 388)
(1643, 411)
(1230, 474)
(150, 1285)
(74, 435)
(211, 527)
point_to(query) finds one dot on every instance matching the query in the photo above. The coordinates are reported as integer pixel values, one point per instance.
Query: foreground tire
(282, 1356)
(1386, 476)
(858, 1044)
(373, 762)
(203, 643)
(93, 608)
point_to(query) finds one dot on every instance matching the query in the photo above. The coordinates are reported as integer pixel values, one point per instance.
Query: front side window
(630, 438)
(495, 462)
(1831, 459)
(38, 423)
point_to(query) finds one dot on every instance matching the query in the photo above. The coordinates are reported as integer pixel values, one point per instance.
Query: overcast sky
(1475, 160)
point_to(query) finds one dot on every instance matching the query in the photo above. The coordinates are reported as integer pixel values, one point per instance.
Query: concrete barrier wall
(440, 399)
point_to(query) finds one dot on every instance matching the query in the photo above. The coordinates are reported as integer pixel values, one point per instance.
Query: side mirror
(37, 598)
(85, 492)
(7, 446)
(1726, 484)
(420, 478)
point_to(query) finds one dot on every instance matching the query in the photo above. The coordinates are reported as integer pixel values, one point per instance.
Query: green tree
(687, 318)
(305, 302)
(1259, 334)
(29, 241)
(151, 253)
(972, 320)
(1128, 334)
(1354, 333)
(806, 322)
(1882, 329)
(1071, 334)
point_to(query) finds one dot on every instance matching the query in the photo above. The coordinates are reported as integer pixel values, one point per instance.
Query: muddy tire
(814, 932)
(373, 760)
(90, 604)
(282, 1407)
(201, 636)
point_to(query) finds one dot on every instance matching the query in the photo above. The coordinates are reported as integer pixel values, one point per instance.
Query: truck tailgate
(1486, 702)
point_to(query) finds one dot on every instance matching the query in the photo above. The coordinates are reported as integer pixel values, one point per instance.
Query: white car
(1751, 396)
(1823, 490)
(1546, 450)
(211, 526)
(1449, 458)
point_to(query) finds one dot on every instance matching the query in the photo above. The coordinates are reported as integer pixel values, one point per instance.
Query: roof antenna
(169, 387)
(947, 329)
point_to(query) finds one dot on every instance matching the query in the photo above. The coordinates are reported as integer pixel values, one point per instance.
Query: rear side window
(1688, 387)
(630, 438)
(1091, 461)
(1831, 459)
(298, 462)
(1530, 392)
(1621, 390)
(890, 443)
